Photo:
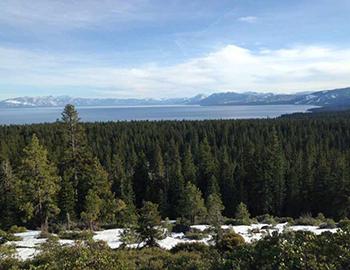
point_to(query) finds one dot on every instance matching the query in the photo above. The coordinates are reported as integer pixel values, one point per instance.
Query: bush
(344, 224)
(266, 219)
(229, 241)
(328, 224)
(246, 222)
(229, 221)
(76, 235)
(190, 247)
(44, 235)
(307, 220)
(284, 220)
(8, 237)
(17, 229)
(195, 234)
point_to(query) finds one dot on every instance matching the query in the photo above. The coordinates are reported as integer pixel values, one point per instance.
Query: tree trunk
(45, 225)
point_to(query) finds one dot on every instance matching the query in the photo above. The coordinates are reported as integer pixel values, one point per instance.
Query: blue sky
(141, 48)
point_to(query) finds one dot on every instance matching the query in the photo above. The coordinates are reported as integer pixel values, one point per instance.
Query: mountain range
(326, 98)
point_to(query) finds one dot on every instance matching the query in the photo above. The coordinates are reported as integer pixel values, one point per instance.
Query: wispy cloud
(70, 14)
(248, 19)
(230, 68)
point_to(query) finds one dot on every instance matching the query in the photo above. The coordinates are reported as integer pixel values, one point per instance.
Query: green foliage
(328, 224)
(7, 236)
(344, 224)
(266, 219)
(192, 204)
(286, 166)
(195, 234)
(307, 219)
(242, 215)
(190, 247)
(149, 224)
(39, 184)
(215, 208)
(229, 241)
(17, 229)
(93, 205)
(288, 251)
(9, 196)
(129, 236)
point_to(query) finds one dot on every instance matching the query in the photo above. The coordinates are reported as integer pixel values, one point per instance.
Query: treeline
(105, 171)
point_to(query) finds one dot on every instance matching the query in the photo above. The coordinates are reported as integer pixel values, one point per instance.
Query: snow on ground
(28, 246)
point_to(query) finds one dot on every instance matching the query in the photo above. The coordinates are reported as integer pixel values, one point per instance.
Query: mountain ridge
(325, 98)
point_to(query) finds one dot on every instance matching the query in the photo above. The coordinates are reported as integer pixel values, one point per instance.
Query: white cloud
(230, 68)
(248, 19)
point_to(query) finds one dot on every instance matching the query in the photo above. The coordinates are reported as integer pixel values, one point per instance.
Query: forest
(71, 179)
(284, 167)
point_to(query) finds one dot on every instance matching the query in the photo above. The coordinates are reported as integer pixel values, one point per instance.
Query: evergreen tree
(141, 179)
(98, 183)
(242, 214)
(40, 185)
(207, 166)
(149, 224)
(9, 194)
(188, 166)
(72, 167)
(176, 182)
(227, 183)
(192, 204)
(215, 208)
(93, 206)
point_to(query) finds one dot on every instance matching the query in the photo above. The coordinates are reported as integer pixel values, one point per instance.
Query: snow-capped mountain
(327, 98)
(61, 101)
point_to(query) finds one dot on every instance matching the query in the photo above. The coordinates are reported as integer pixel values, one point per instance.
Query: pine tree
(149, 224)
(176, 182)
(39, 183)
(192, 204)
(9, 194)
(93, 206)
(207, 166)
(66, 200)
(98, 182)
(76, 156)
(188, 167)
(141, 179)
(227, 183)
(242, 214)
(215, 208)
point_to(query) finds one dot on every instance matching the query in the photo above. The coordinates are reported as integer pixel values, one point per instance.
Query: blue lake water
(97, 114)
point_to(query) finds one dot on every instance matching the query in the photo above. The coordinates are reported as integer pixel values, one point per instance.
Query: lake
(97, 114)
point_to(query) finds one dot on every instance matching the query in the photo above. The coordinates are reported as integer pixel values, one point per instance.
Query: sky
(173, 48)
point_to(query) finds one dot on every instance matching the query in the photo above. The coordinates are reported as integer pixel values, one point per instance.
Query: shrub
(246, 222)
(284, 220)
(17, 229)
(195, 234)
(229, 241)
(328, 224)
(44, 235)
(190, 247)
(266, 219)
(6, 237)
(76, 235)
(344, 224)
(307, 220)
